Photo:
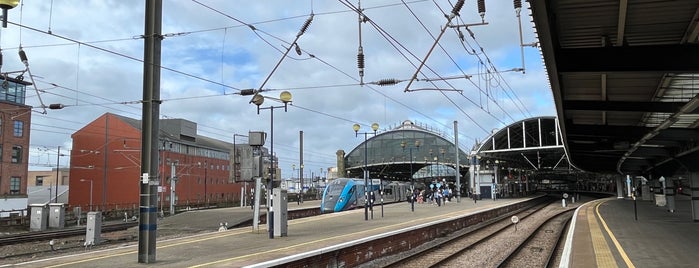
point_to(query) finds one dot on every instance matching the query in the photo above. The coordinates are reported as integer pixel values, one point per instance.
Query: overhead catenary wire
(183, 98)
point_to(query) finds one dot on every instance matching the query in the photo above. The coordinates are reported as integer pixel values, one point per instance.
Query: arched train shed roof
(532, 144)
(387, 158)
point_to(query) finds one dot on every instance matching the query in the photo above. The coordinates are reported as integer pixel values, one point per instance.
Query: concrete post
(619, 188)
(173, 182)
(694, 186)
(256, 205)
(628, 185)
(670, 195)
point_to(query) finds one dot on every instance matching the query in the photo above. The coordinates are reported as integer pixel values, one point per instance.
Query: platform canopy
(625, 80)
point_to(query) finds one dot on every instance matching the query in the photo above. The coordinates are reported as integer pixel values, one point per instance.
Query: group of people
(437, 193)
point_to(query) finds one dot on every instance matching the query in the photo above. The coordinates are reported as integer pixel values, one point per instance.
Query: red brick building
(106, 158)
(15, 120)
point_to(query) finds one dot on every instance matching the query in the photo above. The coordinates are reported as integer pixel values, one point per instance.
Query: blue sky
(207, 54)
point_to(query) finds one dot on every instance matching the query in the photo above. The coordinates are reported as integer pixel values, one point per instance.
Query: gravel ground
(17, 253)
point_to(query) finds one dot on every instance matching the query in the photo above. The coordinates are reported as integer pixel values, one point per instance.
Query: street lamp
(84, 180)
(412, 180)
(5, 5)
(356, 128)
(293, 172)
(302, 180)
(257, 99)
(58, 163)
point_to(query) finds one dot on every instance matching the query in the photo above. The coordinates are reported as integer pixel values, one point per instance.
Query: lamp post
(257, 99)
(206, 194)
(5, 5)
(302, 181)
(412, 180)
(293, 172)
(321, 177)
(442, 151)
(84, 180)
(58, 166)
(356, 128)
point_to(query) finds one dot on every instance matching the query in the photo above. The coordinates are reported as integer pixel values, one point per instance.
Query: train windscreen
(334, 189)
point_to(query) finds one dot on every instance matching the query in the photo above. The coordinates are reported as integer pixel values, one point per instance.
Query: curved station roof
(388, 154)
(534, 145)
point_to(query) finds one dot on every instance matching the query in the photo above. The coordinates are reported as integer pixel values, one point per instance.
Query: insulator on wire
(23, 56)
(518, 6)
(297, 48)
(305, 25)
(360, 58)
(56, 106)
(481, 9)
(457, 7)
(360, 61)
(387, 82)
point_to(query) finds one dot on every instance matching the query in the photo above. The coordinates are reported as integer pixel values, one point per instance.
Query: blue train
(344, 194)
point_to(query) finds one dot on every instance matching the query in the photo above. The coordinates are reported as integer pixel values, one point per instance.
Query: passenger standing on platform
(298, 198)
(447, 195)
(438, 197)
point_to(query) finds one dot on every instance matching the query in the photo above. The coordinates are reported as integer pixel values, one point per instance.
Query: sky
(87, 55)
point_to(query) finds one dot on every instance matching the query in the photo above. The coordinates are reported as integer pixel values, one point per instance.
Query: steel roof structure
(625, 80)
(388, 154)
(531, 144)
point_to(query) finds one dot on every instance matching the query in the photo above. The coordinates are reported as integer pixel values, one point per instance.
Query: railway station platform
(244, 246)
(610, 233)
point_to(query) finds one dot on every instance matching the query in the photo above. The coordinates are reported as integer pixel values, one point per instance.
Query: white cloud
(211, 41)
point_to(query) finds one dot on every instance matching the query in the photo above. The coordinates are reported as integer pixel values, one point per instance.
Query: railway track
(495, 244)
(53, 234)
(539, 247)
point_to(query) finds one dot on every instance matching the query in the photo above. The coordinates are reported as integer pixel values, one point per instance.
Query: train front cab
(339, 195)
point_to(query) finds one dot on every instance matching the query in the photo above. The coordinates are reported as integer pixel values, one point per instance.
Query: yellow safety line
(390, 227)
(611, 235)
(211, 236)
(603, 255)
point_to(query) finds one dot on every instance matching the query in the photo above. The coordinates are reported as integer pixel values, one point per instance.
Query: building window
(39, 181)
(18, 128)
(16, 154)
(15, 182)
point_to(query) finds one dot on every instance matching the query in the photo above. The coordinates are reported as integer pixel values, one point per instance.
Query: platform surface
(610, 233)
(244, 246)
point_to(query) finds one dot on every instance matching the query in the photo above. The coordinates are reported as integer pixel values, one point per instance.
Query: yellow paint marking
(611, 235)
(457, 213)
(210, 236)
(603, 255)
